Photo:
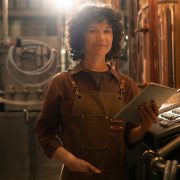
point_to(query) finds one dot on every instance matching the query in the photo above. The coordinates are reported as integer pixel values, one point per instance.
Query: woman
(76, 124)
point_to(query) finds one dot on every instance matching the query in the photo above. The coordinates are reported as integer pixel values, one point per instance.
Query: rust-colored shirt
(58, 101)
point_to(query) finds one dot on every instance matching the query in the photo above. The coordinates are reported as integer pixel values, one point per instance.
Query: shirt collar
(79, 67)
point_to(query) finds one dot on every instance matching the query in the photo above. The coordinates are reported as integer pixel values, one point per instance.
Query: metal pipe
(167, 170)
(159, 164)
(172, 145)
(5, 20)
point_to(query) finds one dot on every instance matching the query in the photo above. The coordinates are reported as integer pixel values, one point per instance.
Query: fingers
(147, 107)
(155, 107)
(79, 165)
(149, 111)
(146, 122)
(142, 112)
(88, 167)
(94, 170)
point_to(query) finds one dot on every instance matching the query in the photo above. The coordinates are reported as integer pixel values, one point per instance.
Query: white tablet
(153, 91)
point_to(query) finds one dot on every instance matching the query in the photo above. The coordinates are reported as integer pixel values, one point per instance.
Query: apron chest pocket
(94, 132)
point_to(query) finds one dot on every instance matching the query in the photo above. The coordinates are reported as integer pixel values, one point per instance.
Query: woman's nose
(100, 36)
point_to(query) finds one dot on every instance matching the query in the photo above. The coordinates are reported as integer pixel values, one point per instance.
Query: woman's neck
(95, 64)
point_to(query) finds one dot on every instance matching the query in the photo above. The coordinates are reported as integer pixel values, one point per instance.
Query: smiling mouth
(100, 45)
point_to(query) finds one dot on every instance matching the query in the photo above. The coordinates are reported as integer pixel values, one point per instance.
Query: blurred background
(32, 50)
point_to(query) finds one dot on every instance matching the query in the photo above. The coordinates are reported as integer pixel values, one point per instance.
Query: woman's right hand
(72, 162)
(79, 165)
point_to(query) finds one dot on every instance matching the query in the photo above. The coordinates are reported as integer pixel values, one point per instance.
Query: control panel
(169, 118)
(166, 127)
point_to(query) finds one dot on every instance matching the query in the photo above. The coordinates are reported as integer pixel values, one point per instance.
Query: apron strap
(122, 87)
(74, 85)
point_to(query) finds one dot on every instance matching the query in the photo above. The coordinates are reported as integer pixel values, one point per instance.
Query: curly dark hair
(77, 26)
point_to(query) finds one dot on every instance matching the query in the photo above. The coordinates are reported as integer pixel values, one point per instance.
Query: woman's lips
(100, 45)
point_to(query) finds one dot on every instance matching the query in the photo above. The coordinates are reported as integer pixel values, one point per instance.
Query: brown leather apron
(93, 136)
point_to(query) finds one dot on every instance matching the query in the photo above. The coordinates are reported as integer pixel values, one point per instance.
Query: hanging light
(64, 5)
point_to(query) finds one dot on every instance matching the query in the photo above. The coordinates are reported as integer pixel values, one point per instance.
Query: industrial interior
(32, 50)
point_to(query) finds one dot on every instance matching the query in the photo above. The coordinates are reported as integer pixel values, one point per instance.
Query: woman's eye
(92, 30)
(108, 31)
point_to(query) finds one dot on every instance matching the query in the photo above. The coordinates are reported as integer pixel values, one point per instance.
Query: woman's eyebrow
(94, 26)
(108, 25)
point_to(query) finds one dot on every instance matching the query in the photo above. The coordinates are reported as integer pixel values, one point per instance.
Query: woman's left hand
(148, 113)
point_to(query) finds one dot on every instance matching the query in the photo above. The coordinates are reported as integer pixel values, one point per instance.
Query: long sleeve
(47, 125)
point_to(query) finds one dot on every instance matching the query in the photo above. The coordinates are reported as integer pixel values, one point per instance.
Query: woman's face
(98, 39)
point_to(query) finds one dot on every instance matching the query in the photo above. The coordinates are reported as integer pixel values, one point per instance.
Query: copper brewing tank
(153, 41)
